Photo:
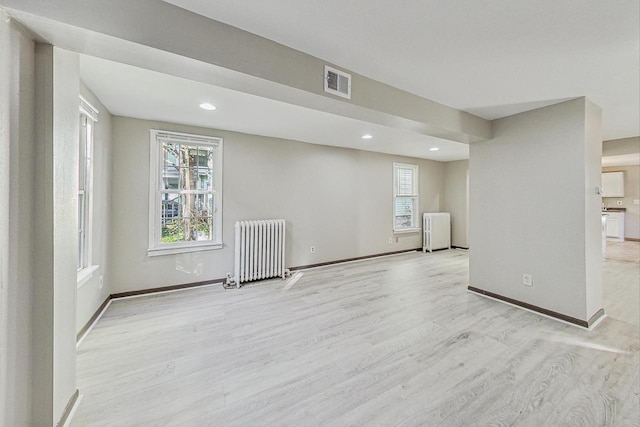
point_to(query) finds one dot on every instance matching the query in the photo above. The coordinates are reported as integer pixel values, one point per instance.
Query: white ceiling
(490, 58)
(135, 92)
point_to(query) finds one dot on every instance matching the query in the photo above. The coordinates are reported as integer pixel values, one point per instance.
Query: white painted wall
(55, 230)
(66, 88)
(338, 200)
(6, 83)
(90, 296)
(593, 206)
(456, 200)
(533, 208)
(16, 207)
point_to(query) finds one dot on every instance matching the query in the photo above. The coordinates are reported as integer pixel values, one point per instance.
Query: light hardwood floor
(389, 341)
(628, 251)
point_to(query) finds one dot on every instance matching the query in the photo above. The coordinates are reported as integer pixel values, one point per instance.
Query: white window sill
(182, 249)
(407, 230)
(86, 274)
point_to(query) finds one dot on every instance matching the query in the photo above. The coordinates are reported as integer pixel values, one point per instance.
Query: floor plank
(391, 341)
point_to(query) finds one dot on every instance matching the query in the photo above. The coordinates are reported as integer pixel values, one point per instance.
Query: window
(405, 197)
(88, 117)
(185, 202)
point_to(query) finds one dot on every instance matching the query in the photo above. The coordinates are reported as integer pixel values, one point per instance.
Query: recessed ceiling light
(434, 149)
(207, 106)
(367, 136)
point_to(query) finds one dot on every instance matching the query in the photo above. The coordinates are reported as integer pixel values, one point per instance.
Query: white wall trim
(406, 230)
(184, 249)
(86, 274)
(88, 109)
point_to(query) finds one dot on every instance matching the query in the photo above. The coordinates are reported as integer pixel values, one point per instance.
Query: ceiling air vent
(337, 82)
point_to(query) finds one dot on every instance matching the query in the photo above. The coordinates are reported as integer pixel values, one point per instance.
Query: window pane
(201, 228)
(192, 176)
(202, 157)
(82, 162)
(194, 179)
(404, 209)
(171, 165)
(197, 228)
(80, 255)
(172, 230)
(196, 205)
(205, 181)
(170, 207)
(82, 154)
(197, 213)
(170, 179)
(171, 154)
(80, 230)
(405, 181)
(80, 211)
(210, 158)
(185, 157)
(200, 176)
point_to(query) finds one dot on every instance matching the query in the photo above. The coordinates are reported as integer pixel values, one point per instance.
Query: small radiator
(259, 251)
(437, 231)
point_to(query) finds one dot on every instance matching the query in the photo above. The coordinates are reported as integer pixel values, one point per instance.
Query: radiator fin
(260, 250)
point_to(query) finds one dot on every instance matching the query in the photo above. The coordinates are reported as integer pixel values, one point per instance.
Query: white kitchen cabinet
(613, 184)
(615, 226)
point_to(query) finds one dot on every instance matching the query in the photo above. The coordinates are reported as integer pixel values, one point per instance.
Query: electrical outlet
(619, 203)
(313, 249)
(527, 280)
(100, 282)
(390, 240)
(636, 202)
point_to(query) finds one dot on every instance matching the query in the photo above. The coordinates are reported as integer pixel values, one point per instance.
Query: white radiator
(259, 251)
(436, 231)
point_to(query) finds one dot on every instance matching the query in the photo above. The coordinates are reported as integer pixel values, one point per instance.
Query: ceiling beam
(160, 36)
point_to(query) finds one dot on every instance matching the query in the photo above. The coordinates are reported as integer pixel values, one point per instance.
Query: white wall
(90, 296)
(593, 206)
(456, 200)
(338, 200)
(55, 230)
(16, 207)
(533, 208)
(66, 88)
(38, 143)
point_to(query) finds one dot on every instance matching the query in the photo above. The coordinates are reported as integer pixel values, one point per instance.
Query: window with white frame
(185, 201)
(88, 118)
(405, 197)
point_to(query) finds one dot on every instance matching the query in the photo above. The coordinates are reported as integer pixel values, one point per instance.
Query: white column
(534, 209)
